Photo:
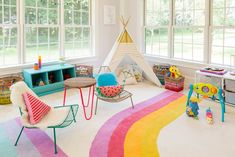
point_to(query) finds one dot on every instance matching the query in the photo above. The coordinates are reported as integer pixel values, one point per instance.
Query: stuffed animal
(175, 73)
(192, 109)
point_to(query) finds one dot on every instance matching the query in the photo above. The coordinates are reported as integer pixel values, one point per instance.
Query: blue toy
(192, 108)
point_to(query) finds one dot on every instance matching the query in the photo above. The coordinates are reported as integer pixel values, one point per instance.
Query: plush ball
(109, 91)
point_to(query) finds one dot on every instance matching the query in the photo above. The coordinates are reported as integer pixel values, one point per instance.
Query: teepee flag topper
(125, 46)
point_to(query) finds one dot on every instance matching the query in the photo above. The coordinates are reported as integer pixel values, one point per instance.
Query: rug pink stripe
(42, 142)
(116, 144)
(24, 147)
(104, 134)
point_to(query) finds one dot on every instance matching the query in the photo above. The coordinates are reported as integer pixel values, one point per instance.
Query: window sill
(182, 63)
(19, 68)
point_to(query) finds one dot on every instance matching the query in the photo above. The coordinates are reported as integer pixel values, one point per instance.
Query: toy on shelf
(39, 62)
(40, 82)
(67, 76)
(51, 78)
(209, 116)
(192, 108)
(174, 72)
(216, 71)
(207, 91)
(35, 66)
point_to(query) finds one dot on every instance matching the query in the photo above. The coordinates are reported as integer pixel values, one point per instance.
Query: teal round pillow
(109, 91)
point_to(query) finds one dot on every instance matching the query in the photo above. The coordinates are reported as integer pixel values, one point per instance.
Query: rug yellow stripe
(141, 138)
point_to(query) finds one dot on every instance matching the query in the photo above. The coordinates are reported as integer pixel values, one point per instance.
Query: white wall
(106, 35)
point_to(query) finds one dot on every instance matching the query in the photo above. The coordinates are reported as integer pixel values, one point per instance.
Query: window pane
(85, 18)
(43, 35)
(217, 37)
(31, 54)
(218, 17)
(157, 41)
(187, 51)
(230, 17)
(77, 17)
(77, 30)
(86, 34)
(1, 19)
(217, 55)
(189, 29)
(30, 16)
(53, 18)
(229, 38)
(53, 4)
(198, 52)
(78, 34)
(157, 12)
(228, 52)
(54, 35)
(31, 36)
(8, 46)
(8, 33)
(69, 34)
(31, 3)
(85, 5)
(230, 3)
(42, 16)
(42, 3)
(223, 31)
(68, 17)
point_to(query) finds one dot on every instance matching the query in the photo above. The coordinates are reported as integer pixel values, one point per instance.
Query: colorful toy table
(80, 83)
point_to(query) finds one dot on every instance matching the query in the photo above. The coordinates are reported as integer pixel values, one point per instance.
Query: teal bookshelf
(52, 77)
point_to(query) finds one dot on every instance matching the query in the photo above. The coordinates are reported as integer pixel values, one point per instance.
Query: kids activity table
(81, 83)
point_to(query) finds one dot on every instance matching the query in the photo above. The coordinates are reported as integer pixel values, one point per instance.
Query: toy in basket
(174, 81)
(5, 84)
(160, 71)
(192, 108)
(209, 116)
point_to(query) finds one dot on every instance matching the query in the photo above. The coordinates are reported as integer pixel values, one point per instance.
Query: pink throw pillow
(36, 108)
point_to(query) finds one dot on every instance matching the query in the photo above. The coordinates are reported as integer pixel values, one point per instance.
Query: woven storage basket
(160, 71)
(174, 84)
(5, 84)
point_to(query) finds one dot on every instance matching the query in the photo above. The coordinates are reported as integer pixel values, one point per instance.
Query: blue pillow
(107, 79)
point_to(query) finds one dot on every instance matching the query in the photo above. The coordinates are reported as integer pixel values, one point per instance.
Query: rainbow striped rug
(33, 142)
(134, 132)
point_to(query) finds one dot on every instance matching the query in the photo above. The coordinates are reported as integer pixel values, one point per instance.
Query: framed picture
(84, 71)
(109, 15)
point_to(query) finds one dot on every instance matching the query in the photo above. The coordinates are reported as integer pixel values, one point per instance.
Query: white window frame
(168, 27)
(21, 26)
(207, 54)
(89, 26)
(17, 26)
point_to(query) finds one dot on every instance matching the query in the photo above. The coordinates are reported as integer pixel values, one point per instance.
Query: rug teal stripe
(24, 147)
(6, 148)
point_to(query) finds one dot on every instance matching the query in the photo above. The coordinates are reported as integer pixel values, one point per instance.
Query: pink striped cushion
(36, 108)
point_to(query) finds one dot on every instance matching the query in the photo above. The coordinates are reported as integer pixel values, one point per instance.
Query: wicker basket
(5, 84)
(160, 71)
(174, 84)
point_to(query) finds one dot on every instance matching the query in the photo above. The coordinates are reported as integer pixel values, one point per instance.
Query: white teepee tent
(124, 46)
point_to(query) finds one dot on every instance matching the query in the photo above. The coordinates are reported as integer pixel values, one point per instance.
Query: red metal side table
(81, 83)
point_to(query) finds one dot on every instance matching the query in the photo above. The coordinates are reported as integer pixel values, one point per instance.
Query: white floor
(183, 137)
